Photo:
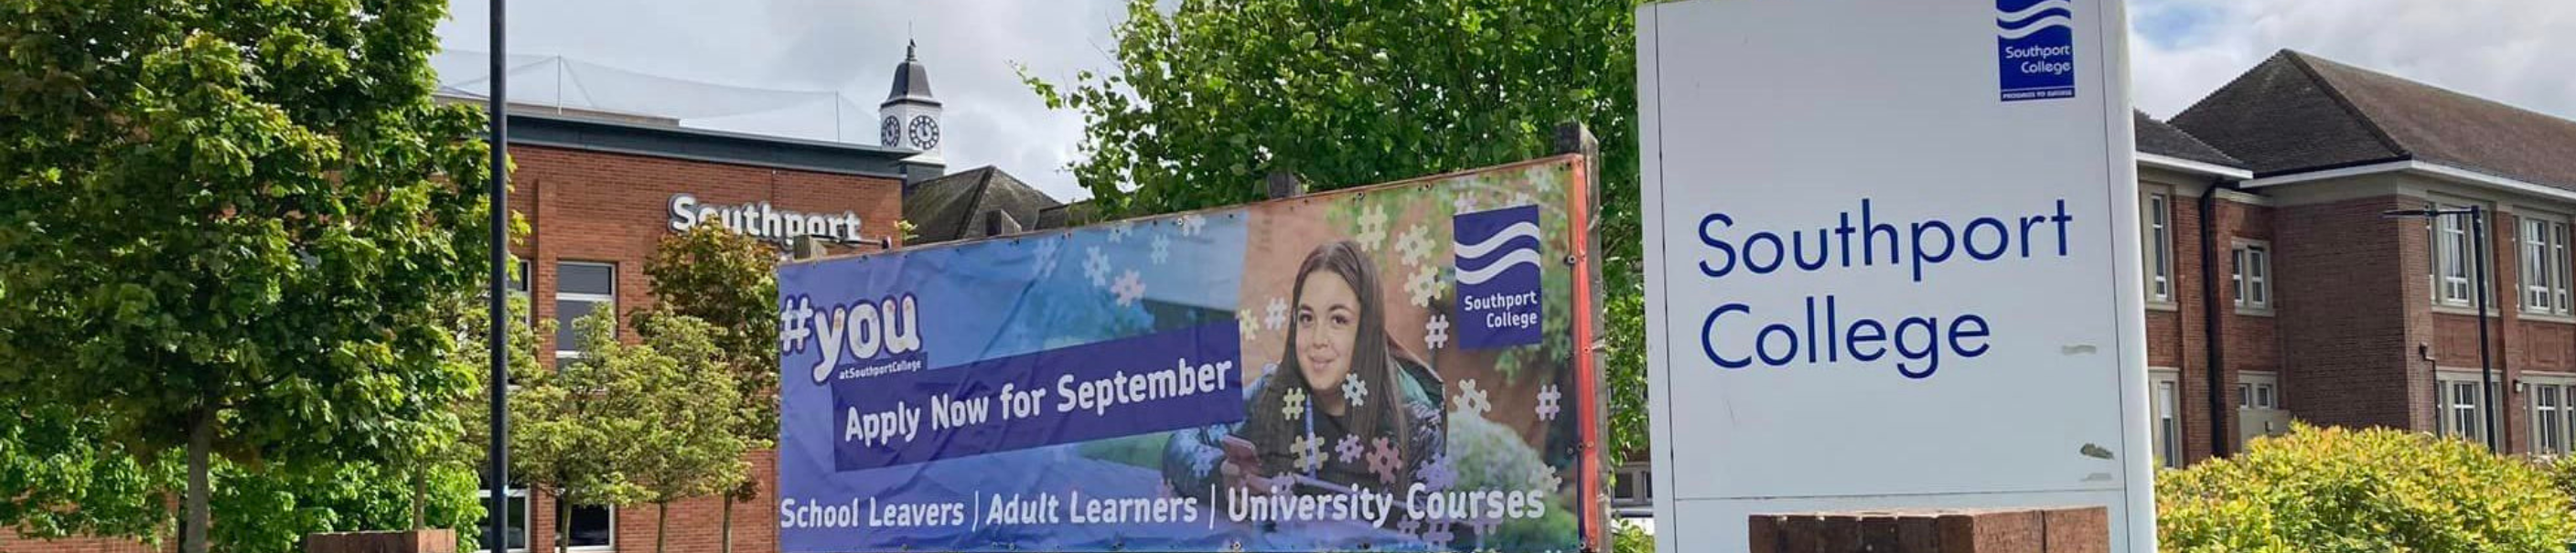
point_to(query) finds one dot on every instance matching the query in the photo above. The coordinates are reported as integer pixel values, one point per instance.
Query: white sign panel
(1892, 261)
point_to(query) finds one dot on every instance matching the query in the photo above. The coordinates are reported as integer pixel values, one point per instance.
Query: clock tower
(909, 118)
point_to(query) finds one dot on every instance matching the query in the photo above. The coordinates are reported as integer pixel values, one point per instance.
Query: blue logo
(2035, 48)
(1498, 277)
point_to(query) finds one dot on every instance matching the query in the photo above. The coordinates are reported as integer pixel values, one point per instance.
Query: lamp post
(498, 188)
(2478, 274)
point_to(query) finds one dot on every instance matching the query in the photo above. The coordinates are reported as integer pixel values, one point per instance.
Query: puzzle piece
(1310, 452)
(1130, 287)
(1471, 400)
(1354, 389)
(1372, 228)
(1294, 405)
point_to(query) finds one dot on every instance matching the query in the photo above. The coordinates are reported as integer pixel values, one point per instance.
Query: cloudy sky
(817, 68)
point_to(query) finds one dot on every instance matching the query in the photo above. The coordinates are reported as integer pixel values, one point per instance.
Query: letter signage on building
(759, 220)
(1399, 367)
(1891, 260)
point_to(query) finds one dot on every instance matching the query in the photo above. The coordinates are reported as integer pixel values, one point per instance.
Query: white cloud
(2521, 52)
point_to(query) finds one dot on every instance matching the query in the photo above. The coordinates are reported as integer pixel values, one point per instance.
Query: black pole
(499, 189)
(2214, 344)
(2486, 368)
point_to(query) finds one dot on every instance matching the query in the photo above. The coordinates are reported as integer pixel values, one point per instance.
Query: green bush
(2332, 490)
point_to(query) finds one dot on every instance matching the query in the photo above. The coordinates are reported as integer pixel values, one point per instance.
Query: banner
(1388, 368)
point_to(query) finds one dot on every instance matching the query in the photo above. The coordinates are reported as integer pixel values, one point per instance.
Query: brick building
(2270, 255)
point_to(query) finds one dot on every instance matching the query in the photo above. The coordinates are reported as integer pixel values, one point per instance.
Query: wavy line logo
(2035, 49)
(1499, 262)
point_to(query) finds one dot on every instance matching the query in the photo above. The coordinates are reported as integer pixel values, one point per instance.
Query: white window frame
(483, 496)
(2543, 245)
(2459, 407)
(2449, 250)
(612, 530)
(2157, 217)
(1637, 478)
(2164, 403)
(2258, 390)
(608, 303)
(2553, 413)
(2250, 272)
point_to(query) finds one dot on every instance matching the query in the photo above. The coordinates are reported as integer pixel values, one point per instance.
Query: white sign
(759, 220)
(1892, 261)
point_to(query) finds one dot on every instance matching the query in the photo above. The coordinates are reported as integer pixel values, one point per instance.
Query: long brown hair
(1375, 359)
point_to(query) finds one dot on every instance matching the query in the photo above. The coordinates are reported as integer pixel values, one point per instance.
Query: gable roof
(2297, 112)
(2159, 138)
(950, 207)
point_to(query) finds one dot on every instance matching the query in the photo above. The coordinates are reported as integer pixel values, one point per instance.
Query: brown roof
(2297, 112)
(950, 207)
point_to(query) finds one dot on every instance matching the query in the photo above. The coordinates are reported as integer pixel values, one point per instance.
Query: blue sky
(2521, 52)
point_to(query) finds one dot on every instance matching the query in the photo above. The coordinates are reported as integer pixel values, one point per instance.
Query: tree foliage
(570, 435)
(2335, 490)
(671, 406)
(1209, 98)
(227, 227)
(729, 281)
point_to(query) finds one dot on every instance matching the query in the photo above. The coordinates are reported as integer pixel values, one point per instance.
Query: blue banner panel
(1386, 369)
(1050, 397)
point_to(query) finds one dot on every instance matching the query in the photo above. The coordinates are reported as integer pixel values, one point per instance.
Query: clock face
(890, 133)
(925, 132)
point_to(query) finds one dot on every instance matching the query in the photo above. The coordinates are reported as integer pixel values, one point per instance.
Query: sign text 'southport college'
(1926, 242)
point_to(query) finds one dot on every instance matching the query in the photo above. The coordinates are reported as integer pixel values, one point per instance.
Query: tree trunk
(724, 536)
(419, 497)
(192, 524)
(661, 525)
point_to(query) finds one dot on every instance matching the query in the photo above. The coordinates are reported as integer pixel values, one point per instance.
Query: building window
(589, 528)
(1633, 486)
(517, 540)
(580, 290)
(2252, 275)
(2450, 234)
(2553, 417)
(2167, 418)
(2544, 267)
(2159, 220)
(2463, 410)
(2258, 392)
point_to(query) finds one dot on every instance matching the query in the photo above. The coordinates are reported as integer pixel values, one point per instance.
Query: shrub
(2333, 490)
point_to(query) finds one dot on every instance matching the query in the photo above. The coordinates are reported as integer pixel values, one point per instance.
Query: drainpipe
(2210, 338)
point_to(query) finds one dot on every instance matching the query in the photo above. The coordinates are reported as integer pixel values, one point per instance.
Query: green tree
(570, 432)
(1208, 100)
(2334, 490)
(729, 281)
(672, 404)
(227, 227)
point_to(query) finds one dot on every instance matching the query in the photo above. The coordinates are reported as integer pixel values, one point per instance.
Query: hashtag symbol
(795, 323)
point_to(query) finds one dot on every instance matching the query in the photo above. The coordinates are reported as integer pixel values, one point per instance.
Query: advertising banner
(1387, 368)
(1891, 260)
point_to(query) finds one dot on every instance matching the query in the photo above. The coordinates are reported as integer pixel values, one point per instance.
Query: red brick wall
(2353, 281)
(11, 542)
(591, 206)
(2176, 337)
(605, 207)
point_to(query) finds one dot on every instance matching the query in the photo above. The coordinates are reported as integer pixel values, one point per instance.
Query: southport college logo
(1498, 277)
(2035, 48)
